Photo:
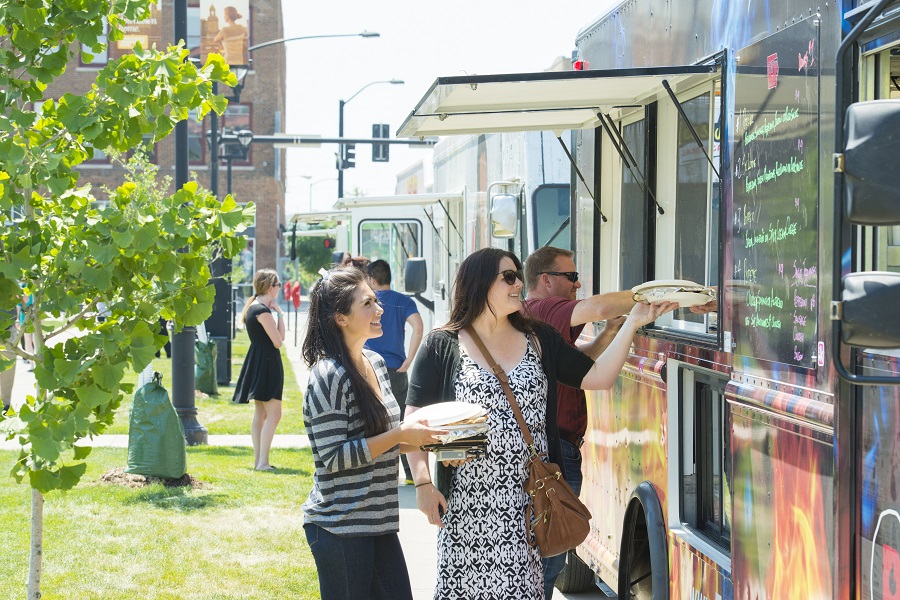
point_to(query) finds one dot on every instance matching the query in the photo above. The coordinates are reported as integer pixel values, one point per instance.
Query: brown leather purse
(557, 520)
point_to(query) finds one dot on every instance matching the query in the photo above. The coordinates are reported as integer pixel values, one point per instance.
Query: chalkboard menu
(775, 196)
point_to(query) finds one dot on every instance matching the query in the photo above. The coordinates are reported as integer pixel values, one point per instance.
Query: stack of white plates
(450, 415)
(685, 293)
(461, 420)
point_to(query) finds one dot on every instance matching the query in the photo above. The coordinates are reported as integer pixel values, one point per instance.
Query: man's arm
(415, 320)
(602, 307)
(596, 346)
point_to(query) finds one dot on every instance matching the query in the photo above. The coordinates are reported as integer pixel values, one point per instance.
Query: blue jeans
(353, 568)
(554, 565)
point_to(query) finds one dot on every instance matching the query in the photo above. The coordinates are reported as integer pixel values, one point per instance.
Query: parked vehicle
(751, 453)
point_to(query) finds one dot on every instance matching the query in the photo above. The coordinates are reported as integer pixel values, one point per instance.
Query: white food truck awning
(546, 101)
(319, 217)
(398, 200)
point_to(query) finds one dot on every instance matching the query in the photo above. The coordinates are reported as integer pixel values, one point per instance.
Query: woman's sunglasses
(570, 275)
(510, 276)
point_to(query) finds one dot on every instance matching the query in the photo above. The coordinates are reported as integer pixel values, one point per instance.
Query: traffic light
(349, 156)
(328, 243)
(380, 152)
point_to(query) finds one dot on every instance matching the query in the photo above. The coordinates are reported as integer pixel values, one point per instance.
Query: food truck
(754, 452)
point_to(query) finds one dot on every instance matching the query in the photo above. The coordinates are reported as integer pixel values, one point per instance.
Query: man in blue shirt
(399, 310)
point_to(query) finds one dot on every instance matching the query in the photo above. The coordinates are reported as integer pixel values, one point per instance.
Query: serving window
(695, 246)
(634, 238)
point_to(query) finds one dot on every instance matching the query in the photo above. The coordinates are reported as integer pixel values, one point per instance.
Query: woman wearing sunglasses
(479, 504)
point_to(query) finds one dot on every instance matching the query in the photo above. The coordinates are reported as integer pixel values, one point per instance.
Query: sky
(419, 42)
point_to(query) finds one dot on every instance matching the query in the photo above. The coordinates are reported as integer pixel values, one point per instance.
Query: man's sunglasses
(570, 275)
(510, 276)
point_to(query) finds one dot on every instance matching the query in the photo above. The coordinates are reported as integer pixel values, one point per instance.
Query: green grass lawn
(240, 537)
(217, 413)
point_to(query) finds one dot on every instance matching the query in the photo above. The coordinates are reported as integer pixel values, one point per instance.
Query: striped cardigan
(352, 494)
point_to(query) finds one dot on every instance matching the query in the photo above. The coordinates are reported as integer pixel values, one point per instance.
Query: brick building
(259, 179)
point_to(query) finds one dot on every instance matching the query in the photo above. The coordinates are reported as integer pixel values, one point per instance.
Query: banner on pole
(225, 30)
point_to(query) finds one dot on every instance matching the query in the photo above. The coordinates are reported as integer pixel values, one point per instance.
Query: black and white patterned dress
(483, 552)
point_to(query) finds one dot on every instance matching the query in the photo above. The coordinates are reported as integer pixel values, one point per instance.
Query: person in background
(484, 549)
(27, 337)
(351, 517)
(262, 374)
(164, 330)
(8, 375)
(399, 310)
(360, 262)
(552, 285)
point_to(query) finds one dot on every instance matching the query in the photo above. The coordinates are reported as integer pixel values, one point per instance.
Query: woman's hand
(644, 313)
(431, 502)
(273, 305)
(418, 433)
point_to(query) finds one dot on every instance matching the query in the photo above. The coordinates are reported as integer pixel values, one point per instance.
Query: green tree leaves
(138, 250)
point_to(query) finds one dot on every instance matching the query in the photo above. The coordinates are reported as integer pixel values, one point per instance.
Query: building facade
(258, 179)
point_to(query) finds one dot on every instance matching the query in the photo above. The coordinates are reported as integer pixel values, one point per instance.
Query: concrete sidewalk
(417, 536)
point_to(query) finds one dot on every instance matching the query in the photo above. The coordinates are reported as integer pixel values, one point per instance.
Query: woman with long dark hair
(479, 504)
(351, 517)
(262, 374)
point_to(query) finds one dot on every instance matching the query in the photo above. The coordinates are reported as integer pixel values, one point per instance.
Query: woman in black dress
(262, 375)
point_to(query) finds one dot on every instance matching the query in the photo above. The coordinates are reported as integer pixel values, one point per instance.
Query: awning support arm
(581, 177)
(558, 231)
(687, 122)
(452, 224)
(400, 238)
(621, 145)
(437, 233)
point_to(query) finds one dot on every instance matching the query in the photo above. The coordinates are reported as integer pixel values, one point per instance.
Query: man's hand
(703, 309)
(611, 328)
(432, 503)
(405, 366)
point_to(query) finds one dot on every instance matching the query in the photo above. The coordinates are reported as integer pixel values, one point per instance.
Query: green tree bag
(155, 435)
(205, 368)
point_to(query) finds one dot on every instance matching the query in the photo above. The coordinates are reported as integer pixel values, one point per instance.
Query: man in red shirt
(551, 285)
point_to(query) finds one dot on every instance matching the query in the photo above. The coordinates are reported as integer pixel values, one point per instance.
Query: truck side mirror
(504, 215)
(416, 275)
(872, 192)
(869, 303)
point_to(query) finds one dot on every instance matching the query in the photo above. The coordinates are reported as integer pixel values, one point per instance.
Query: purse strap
(500, 374)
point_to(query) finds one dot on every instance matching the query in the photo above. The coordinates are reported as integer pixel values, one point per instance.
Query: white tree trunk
(37, 543)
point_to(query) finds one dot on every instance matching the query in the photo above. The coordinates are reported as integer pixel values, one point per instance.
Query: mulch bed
(118, 476)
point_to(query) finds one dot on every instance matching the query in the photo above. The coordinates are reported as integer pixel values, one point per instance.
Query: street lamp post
(183, 341)
(233, 146)
(223, 313)
(341, 104)
(237, 147)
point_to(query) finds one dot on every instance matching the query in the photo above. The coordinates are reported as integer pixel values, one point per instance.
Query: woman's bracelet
(423, 483)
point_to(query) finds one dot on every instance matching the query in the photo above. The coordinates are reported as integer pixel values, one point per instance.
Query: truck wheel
(576, 576)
